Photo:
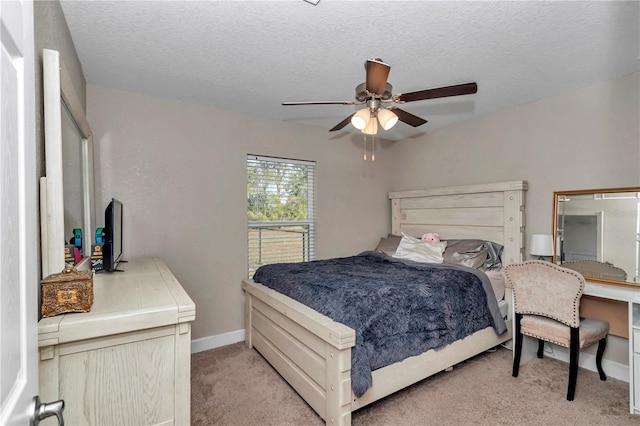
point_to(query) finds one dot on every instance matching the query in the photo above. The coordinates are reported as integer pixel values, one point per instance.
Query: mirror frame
(58, 88)
(554, 230)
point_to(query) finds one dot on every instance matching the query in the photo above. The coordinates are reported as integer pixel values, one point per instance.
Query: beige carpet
(234, 385)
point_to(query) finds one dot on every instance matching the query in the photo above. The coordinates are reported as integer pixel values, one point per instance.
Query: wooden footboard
(313, 353)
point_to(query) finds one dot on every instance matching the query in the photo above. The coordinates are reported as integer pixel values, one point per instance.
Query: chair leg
(602, 345)
(518, 347)
(574, 353)
(540, 348)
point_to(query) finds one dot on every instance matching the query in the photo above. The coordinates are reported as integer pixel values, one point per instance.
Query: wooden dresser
(128, 360)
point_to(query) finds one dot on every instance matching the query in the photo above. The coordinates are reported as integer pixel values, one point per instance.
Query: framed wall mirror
(597, 233)
(67, 191)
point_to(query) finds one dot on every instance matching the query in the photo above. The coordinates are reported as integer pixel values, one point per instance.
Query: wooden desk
(128, 360)
(631, 296)
(616, 312)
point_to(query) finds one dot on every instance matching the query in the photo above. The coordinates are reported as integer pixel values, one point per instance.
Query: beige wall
(180, 170)
(51, 32)
(588, 138)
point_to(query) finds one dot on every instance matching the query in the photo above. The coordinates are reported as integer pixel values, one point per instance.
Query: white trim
(612, 369)
(253, 157)
(212, 342)
(266, 224)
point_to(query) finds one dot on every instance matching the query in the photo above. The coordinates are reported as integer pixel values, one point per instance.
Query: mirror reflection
(71, 178)
(596, 233)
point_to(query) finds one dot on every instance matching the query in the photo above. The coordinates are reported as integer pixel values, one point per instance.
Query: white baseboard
(612, 369)
(212, 342)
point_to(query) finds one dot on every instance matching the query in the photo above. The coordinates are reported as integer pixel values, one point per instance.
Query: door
(583, 237)
(18, 215)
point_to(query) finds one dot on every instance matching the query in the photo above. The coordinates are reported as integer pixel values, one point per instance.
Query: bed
(313, 352)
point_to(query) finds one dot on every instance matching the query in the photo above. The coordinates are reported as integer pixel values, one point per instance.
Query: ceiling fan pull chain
(365, 147)
(373, 148)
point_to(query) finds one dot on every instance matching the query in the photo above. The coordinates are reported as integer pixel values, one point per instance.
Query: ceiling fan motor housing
(373, 105)
(362, 95)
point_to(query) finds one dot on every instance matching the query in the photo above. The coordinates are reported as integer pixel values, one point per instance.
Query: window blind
(280, 211)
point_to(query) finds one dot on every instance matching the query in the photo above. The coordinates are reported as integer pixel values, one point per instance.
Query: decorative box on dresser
(128, 360)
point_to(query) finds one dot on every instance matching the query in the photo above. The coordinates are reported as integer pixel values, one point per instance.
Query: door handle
(43, 410)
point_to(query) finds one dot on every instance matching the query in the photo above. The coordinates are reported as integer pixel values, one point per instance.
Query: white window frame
(279, 228)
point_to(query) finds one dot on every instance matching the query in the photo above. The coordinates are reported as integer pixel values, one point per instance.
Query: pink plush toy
(430, 236)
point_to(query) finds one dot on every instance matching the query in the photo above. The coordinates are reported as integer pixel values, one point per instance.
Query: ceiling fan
(376, 92)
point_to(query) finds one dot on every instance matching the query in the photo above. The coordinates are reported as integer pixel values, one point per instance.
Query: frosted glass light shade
(361, 118)
(387, 119)
(541, 245)
(372, 128)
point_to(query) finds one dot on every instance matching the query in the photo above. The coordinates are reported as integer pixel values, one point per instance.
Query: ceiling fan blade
(323, 103)
(440, 92)
(377, 73)
(406, 117)
(341, 124)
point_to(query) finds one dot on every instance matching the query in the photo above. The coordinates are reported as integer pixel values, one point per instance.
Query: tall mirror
(67, 194)
(597, 233)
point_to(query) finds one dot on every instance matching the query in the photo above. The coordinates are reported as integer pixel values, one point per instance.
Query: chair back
(546, 289)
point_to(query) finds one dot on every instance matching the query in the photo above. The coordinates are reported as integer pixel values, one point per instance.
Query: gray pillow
(389, 245)
(494, 255)
(471, 253)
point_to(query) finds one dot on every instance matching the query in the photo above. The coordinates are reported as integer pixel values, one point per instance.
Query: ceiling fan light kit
(372, 127)
(376, 90)
(387, 119)
(360, 119)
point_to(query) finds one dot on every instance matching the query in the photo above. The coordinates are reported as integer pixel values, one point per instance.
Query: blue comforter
(397, 308)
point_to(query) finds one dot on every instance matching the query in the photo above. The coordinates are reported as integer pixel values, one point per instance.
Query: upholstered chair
(547, 307)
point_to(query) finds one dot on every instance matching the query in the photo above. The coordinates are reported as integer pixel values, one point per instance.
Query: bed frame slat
(480, 216)
(295, 350)
(418, 368)
(295, 376)
(484, 199)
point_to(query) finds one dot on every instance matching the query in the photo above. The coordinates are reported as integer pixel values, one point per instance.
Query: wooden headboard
(493, 212)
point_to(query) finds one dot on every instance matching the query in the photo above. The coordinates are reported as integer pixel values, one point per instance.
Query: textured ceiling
(251, 56)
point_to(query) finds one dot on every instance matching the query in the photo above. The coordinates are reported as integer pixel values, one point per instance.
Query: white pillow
(411, 248)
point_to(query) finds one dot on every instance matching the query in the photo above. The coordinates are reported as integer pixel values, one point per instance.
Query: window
(280, 211)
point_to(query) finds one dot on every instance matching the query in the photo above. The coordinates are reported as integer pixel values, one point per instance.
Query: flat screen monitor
(112, 250)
